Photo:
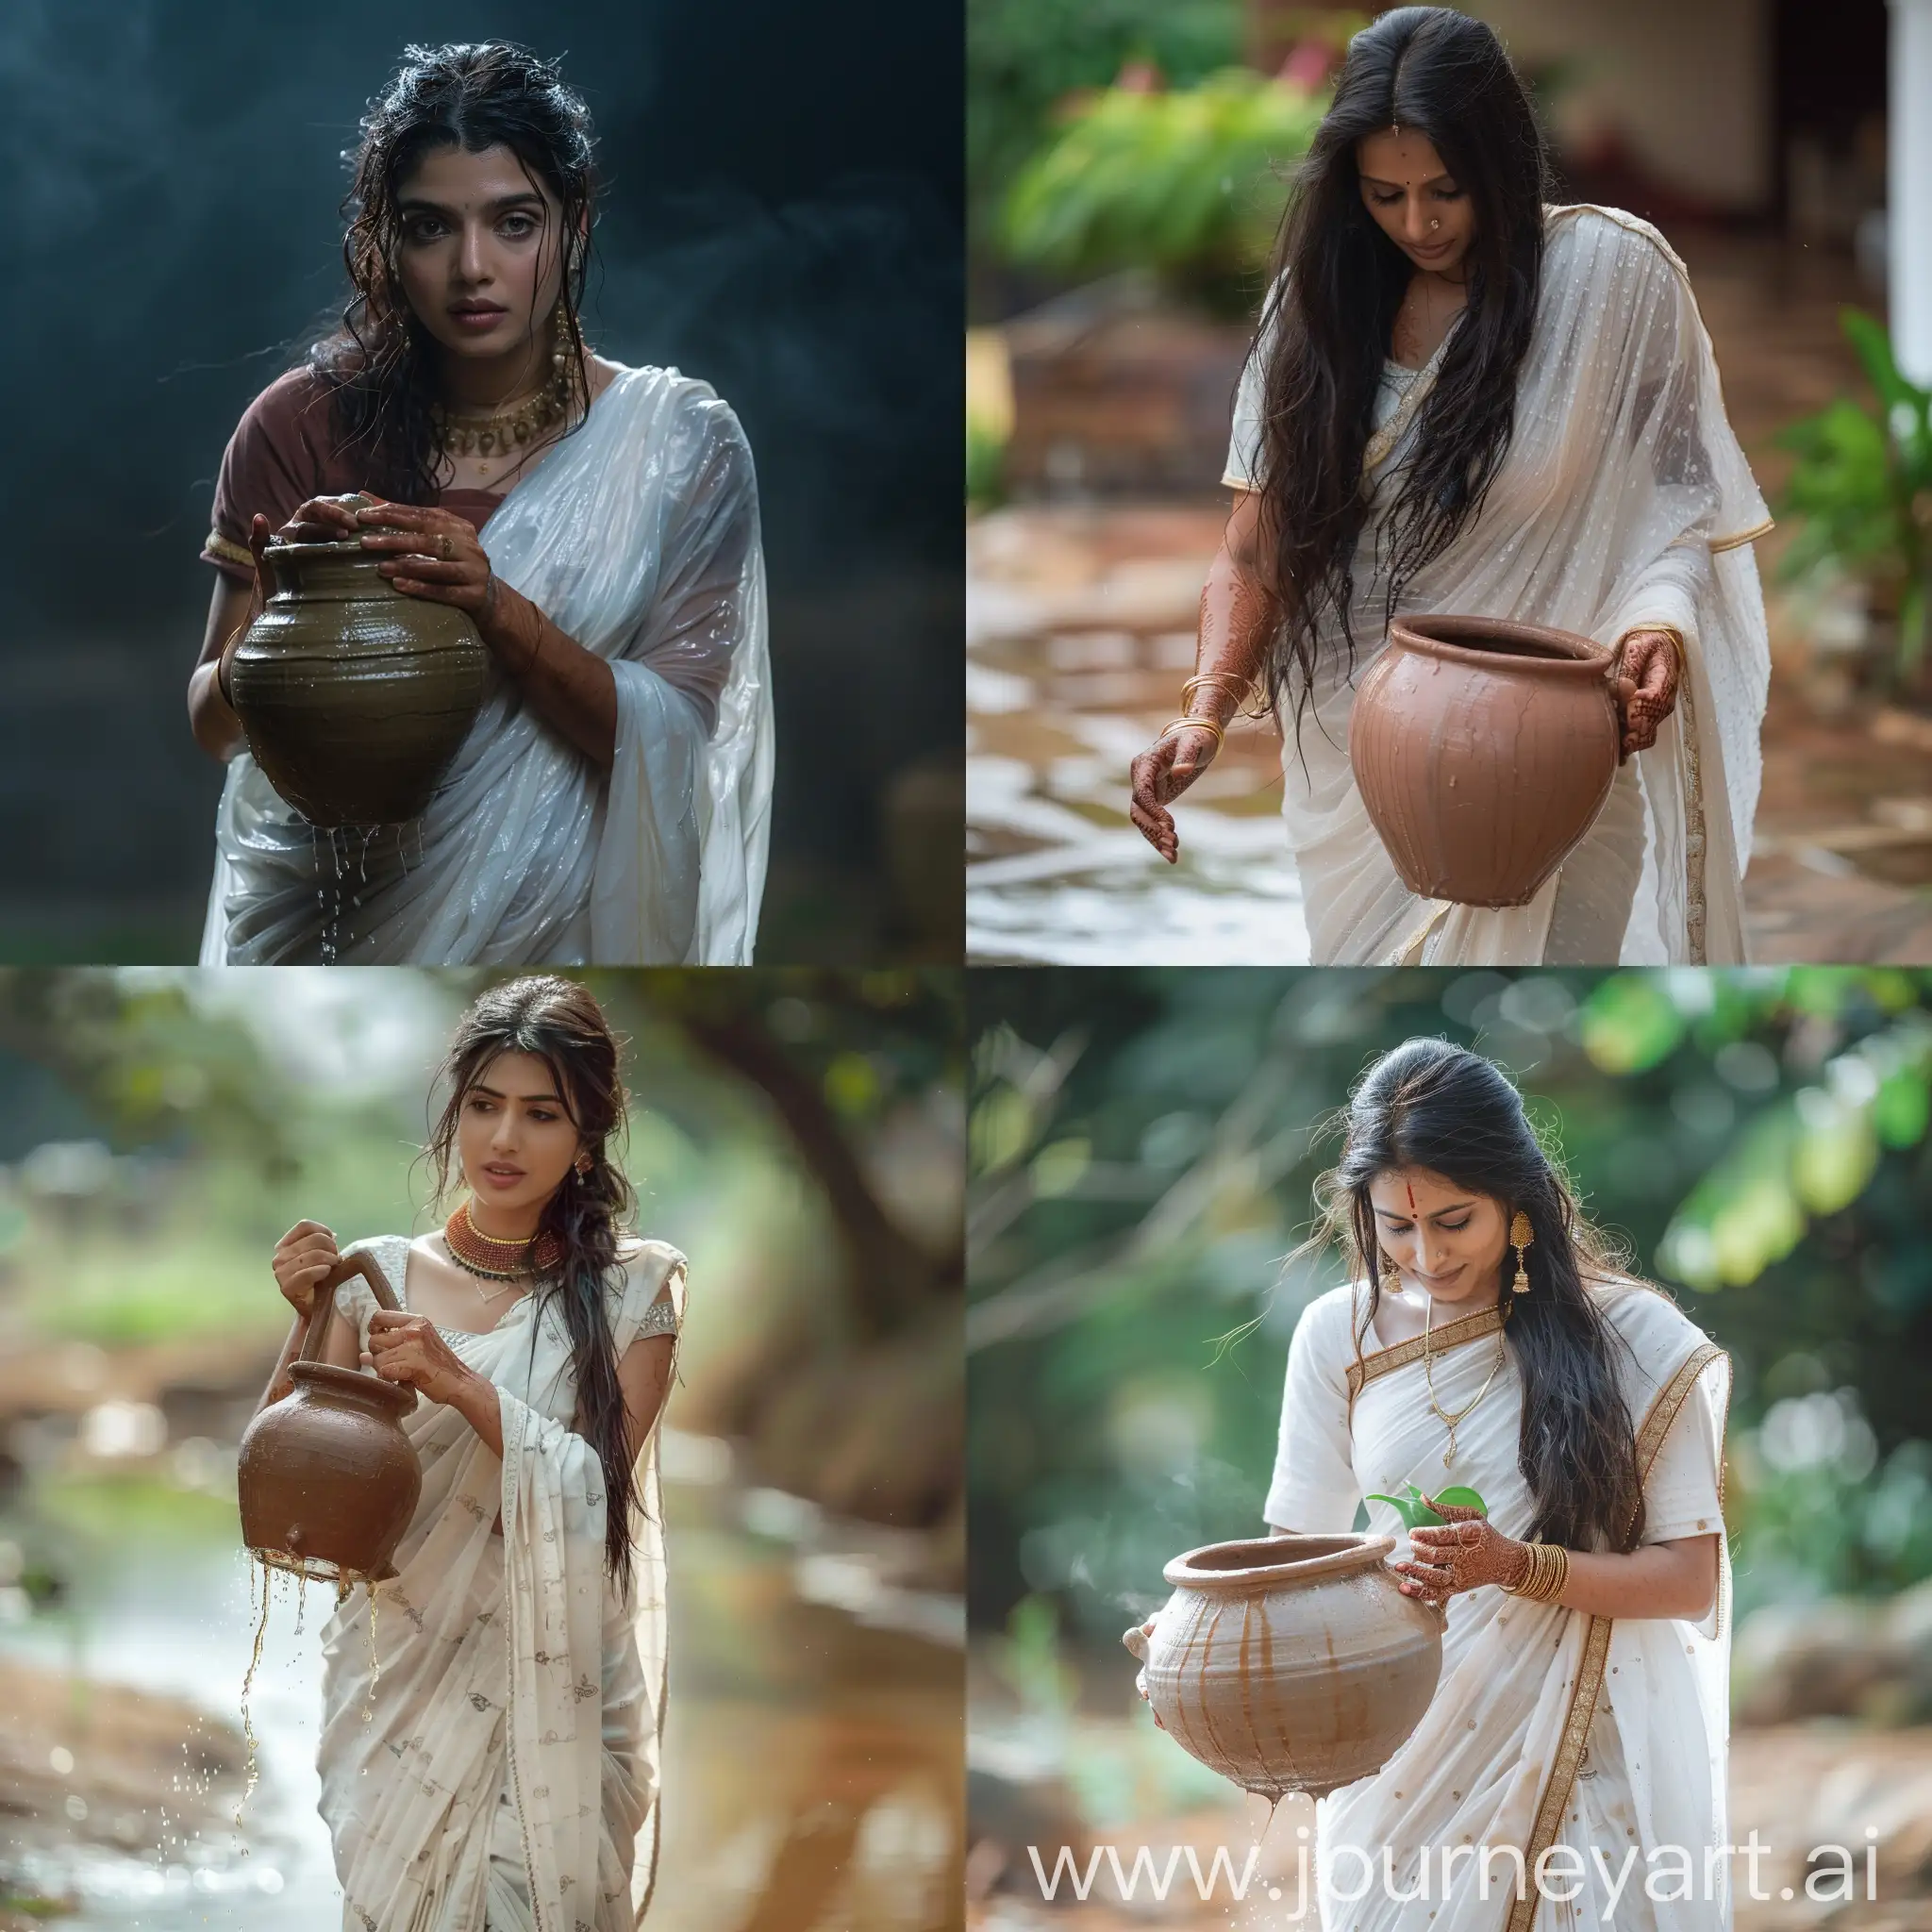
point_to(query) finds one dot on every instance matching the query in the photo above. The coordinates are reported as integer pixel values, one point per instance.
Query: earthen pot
(1484, 751)
(1290, 1663)
(328, 1480)
(355, 697)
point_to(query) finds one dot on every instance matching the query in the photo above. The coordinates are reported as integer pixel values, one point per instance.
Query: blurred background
(781, 217)
(1143, 1145)
(1127, 164)
(799, 1134)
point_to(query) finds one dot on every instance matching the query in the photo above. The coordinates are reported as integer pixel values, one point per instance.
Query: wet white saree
(508, 1778)
(1600, 1745)
(1624, 500)
(638, 536)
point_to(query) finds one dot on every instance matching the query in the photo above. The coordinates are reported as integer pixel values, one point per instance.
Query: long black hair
(1337, 282)
(379, 364)
(1429, 1104)
(558, 1022)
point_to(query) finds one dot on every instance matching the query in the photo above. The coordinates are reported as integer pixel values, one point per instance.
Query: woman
(1462, 399)
(598, 523)
(1489, 1342)
(526, 1601)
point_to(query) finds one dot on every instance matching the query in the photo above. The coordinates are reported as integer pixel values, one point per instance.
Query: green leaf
(1458, 1497)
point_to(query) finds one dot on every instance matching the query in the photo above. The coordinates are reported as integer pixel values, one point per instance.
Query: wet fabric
(509, 1664)
(1624, 500)
(638, 536)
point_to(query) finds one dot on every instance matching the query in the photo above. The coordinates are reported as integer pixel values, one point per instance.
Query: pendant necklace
(1502, 1350)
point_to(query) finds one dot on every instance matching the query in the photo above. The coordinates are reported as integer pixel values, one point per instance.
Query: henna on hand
(1463, 1552)
(1646, 688)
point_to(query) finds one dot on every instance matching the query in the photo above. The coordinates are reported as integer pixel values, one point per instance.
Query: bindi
(1410, 1185)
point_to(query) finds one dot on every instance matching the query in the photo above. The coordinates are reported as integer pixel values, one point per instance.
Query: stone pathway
(1080, 623)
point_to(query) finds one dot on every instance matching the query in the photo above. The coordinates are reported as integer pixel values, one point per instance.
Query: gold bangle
(1236, 687)
(1193, 725)
(1668, 630)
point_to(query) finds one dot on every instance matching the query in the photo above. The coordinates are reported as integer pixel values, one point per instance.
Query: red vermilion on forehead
(1410, 1185)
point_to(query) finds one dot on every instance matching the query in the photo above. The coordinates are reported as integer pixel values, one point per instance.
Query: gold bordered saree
(1600, 1742)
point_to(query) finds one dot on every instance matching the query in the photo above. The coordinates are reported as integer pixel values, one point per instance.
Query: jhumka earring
(563, 352)
(1521, 1236)
(1392, 1277)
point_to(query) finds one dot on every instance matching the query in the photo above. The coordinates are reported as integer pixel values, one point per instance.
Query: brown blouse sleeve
(276, 461)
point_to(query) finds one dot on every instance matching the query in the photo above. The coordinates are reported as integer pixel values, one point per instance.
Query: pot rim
(353, 1382)
(352, 547)
(1434, 636)
(1341, 1553)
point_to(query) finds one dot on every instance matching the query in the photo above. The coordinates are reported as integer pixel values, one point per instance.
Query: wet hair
(558, 1022)
(1337, 284)
(1430, 1105)
(379, 364)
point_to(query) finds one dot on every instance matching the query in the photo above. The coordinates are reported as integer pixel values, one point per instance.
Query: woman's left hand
(406, 1348)
(1646, 688)
(1463, 1552)
(430, 553)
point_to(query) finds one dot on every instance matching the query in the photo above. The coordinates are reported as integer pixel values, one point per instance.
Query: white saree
(1602, 1743)
(638, 536)
(1624, 500)
(508, 1779)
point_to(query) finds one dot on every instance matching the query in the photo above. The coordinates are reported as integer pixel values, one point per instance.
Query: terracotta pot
(1290, 1663)
(1484, 751)
(328, 1480)
(355, 697)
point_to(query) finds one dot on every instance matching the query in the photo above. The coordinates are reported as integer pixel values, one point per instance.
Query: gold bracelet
(1236, 687)
(1193, 725)
(1668, 630)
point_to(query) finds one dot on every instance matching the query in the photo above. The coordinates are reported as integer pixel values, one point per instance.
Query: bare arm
(1677, 1578)
(1237, 618)
(216, 729)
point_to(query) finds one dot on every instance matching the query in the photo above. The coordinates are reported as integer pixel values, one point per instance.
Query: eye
(541, 1113)
(1385, 200)
(520, 226)
(1453, 1226)
(422, 229)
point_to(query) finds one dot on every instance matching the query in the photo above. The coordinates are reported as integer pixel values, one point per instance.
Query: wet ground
(812, 1779)
(1080, 621)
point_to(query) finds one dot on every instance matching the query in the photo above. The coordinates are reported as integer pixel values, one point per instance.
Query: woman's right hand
(1159, 775)
(304, 1259)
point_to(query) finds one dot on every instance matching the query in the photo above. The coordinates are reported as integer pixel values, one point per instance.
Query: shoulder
(648, 1268)
(294, 408)
(1327, 1324)
(1660, 1334)
(1580, 232)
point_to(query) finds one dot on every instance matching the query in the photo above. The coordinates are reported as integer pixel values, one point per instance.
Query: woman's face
(1405, 187)
(514, 1139)
(478, 254)
(1445, 1239)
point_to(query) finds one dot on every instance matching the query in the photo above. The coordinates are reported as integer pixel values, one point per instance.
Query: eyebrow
(417, 204)
(531, 1099)
(1376, 181)
(1433, 1214)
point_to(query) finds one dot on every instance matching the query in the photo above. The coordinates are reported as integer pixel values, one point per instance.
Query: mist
(780, 216)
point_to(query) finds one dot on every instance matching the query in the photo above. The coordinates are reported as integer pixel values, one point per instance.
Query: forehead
(1432, 1190)
(1406, 159)
(454, 177)
(521, 1075)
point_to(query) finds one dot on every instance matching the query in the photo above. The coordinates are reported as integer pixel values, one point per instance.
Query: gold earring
(1392, 1277)
(1521, 1236)
(562, 349)
(584, 1163)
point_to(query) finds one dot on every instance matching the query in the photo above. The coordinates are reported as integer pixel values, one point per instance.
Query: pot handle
(1136, 1641)
(363, 1263)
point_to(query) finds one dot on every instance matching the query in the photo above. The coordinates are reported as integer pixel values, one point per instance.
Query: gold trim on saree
(1750, 535)
(220, 546)
(1596, 1646)
(1385, 1361)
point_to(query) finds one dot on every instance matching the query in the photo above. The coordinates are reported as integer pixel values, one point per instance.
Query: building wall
(1687, 82)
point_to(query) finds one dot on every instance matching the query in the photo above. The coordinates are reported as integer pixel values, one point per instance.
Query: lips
(478, 316)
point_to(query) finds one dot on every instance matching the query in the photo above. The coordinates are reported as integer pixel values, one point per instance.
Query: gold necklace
(1428, 1376)
(499, 432)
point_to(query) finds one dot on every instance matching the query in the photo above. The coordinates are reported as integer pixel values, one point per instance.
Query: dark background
(782, 217)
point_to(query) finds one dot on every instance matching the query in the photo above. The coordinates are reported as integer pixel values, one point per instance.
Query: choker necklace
(501, 432)
(498, 1260)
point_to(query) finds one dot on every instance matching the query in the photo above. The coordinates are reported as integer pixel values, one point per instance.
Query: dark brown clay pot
(328, 1480)
(355, 697)
(1484, 751)
(1290, 1663)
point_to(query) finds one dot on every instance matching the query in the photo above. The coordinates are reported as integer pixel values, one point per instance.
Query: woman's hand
(430, 552)
(406, 1348)
(1463, 1552)
(1646, 688)
(1159, 775)
(304, 1258)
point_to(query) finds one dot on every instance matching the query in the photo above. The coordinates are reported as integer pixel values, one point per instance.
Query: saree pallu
(638, 536)
(1624, 500)
(507, 1662)
(1549, 1728)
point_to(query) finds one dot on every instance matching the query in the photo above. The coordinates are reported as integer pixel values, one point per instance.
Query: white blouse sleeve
(1314, 1488)
(1680, 1495)
(1244, 470)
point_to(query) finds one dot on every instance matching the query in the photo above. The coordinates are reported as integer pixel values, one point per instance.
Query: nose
(1431, 1251)
(1417, 222)
(472, 264)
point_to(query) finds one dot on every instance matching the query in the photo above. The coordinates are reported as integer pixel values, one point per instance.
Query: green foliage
(1143, 1148)
(1189, 183)
(1415, 1511)
(1023, 56)
(1863, 486)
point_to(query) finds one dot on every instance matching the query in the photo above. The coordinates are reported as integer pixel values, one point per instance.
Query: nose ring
(1435, 224)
